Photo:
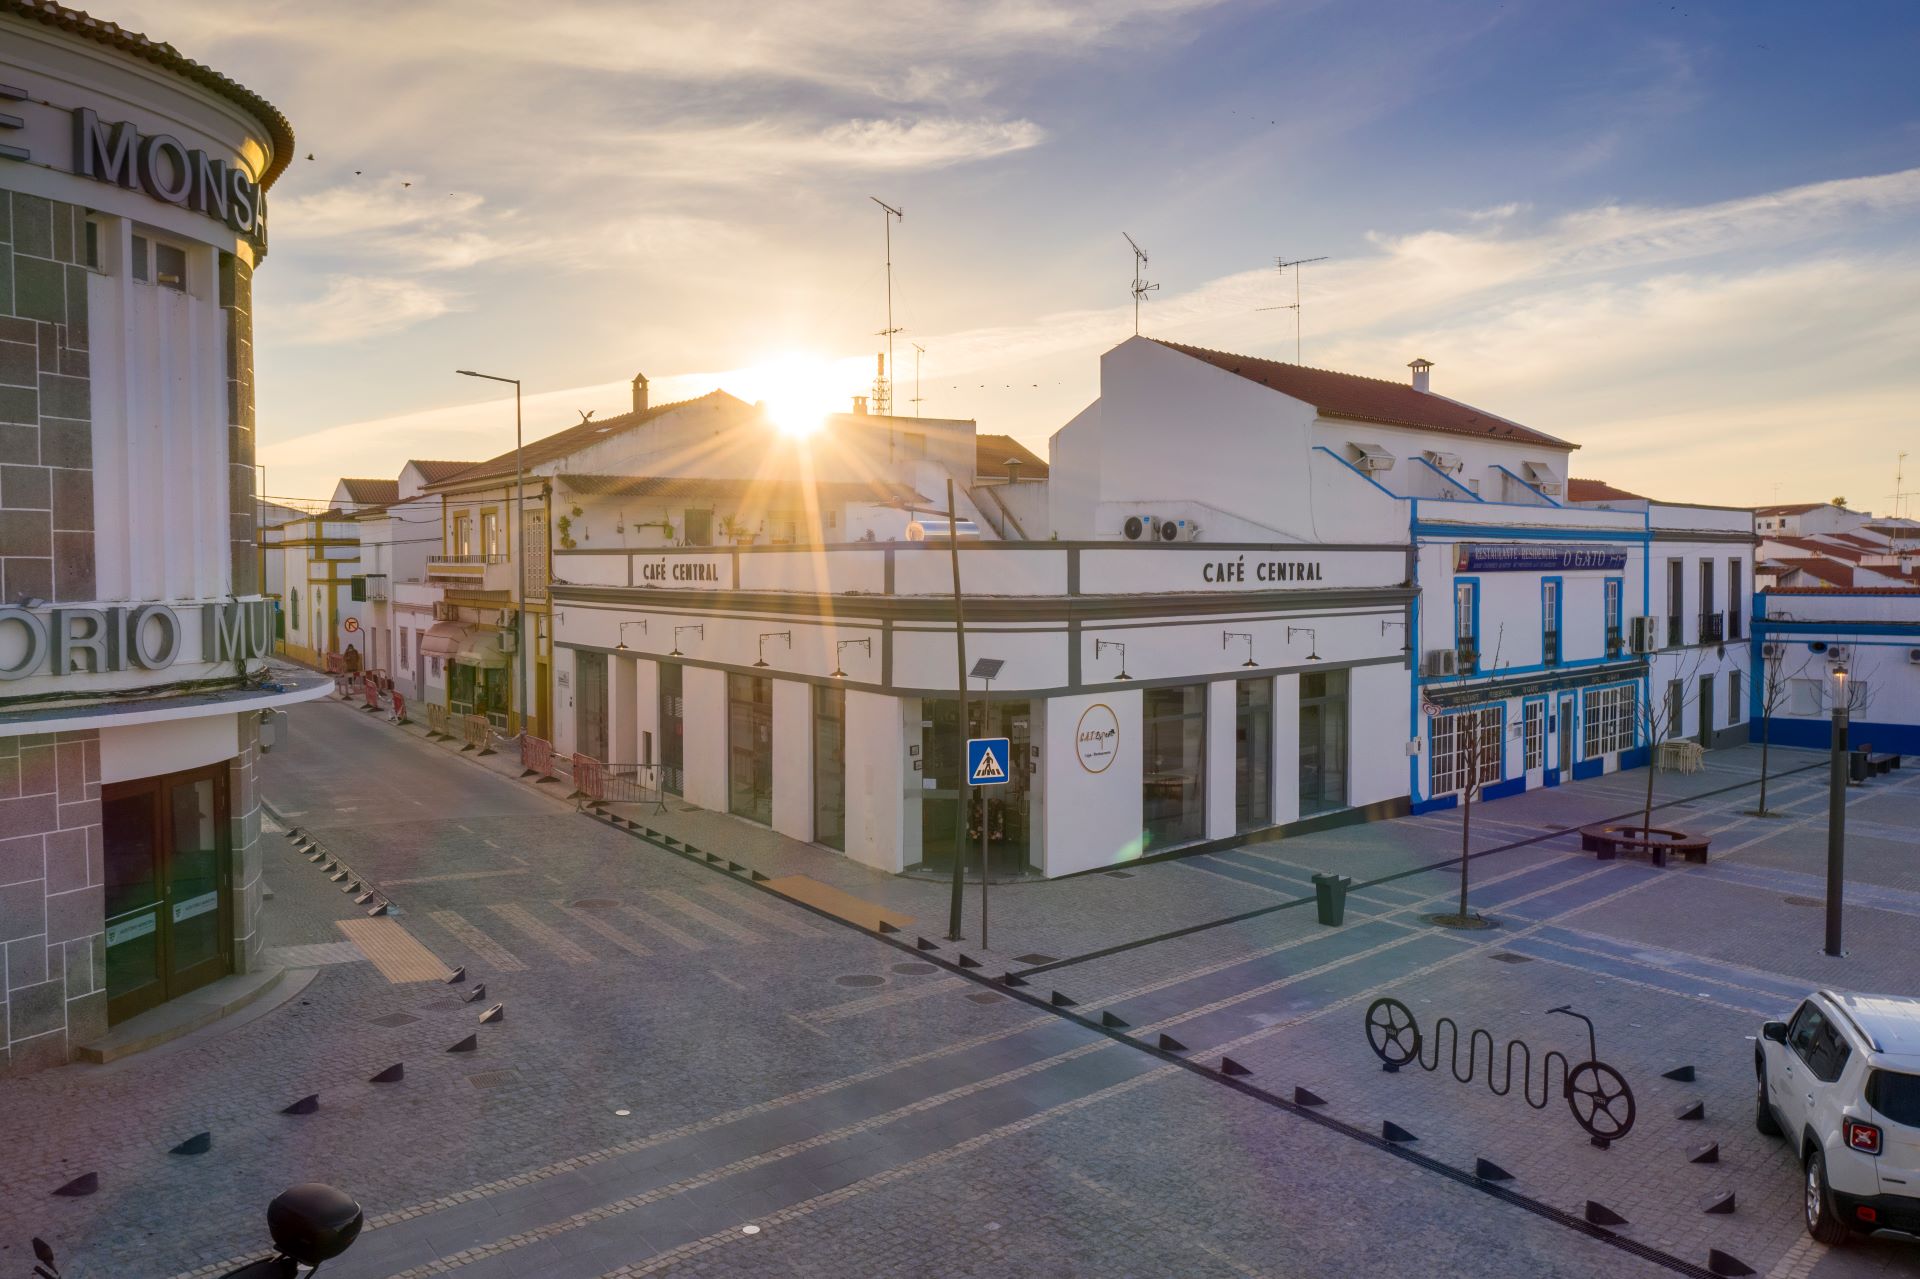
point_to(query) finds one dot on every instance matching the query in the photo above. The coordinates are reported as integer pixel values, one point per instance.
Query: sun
(799, 391)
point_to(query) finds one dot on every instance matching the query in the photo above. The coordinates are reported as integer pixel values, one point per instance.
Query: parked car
(1841, 1081)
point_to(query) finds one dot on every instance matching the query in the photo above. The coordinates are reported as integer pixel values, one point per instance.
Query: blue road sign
(987, 761)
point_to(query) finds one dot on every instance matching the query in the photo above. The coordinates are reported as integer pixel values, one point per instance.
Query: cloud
(354, 308)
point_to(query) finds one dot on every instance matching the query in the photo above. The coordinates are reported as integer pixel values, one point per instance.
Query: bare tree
(1658, 717)
(1480, 749)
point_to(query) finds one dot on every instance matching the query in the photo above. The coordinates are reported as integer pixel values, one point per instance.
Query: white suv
(1842, 1082)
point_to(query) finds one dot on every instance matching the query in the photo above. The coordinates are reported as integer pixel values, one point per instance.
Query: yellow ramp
(834, 901)
(394, 950)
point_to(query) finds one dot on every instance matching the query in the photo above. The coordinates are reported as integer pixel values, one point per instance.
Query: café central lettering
(1229, 572)
(96, 641)
(681, 571)
(162, 166)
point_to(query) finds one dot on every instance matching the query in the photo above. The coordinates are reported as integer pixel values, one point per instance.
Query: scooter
(309, 1223)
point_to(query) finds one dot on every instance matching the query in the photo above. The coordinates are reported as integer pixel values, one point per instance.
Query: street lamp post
(984, 670)
(520, 518)
(1837, 813)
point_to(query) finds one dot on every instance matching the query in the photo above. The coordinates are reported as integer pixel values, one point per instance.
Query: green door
(169, 909)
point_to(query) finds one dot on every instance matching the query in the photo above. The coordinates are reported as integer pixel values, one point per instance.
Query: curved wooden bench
(1608, 842)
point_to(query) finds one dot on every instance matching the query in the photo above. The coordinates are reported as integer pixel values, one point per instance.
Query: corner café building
(132, 638)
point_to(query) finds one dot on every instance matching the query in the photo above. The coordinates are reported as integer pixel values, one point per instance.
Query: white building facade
(132, 634)
(1801, 637)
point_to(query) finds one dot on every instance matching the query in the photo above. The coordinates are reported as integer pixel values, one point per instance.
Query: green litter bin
(1330, 897)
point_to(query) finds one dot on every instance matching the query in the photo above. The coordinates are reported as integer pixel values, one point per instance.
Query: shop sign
(1097, 739)
(1536, 557)
(129, 929)
(162, 166)
(1237, 571)
(195, 906)
(683, 571)
(95, 641)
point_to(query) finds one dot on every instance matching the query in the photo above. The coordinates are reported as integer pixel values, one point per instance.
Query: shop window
(673, 729)
(1323, 741)
(750, 747)
(1173, 762)
(1253, 754)
(830, 765)
(1459, 742)
(1606, 720)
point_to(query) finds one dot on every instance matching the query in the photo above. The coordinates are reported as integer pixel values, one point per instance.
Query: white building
(132, 634)
(399, 604)
(1802, 635)
(315, 559)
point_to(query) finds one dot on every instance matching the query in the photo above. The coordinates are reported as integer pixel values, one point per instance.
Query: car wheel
(1763, 1113)
(1823, 1223)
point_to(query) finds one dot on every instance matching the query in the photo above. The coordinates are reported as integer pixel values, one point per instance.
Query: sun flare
(799, 391)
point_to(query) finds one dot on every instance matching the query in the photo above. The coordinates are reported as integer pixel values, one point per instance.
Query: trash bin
(1330, 898)
(1858, 769)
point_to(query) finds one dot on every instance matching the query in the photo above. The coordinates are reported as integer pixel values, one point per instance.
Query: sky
(1681, 235)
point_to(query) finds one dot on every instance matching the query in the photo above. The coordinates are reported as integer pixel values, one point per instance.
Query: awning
(483, 651)
(445, 639)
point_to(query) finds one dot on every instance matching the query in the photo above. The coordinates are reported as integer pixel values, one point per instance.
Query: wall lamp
(1406, 641)
(1101, 646)
(1313, 641)
(1240, 635)
(621, 647)
(699, 627)
(785, 637)
(841, 646)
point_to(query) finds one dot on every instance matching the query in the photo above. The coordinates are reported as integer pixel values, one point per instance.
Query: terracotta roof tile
(371, 492)
(1826, 570)
(1851, 590)
(992, 452)
(1367, 399)
(433, 472)
(1598, 491)
(551, 448)
(766, 492)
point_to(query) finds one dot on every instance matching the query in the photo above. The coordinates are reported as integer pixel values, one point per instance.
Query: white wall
(1093, 819)
(793, 760)
(705, 692)
(1286, 749)
(1377, 700)
(1222, 757)
(877, 777)
(169, 746)
(623, 709)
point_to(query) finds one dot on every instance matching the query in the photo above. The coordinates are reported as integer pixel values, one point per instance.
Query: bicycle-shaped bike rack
(1595, 1092)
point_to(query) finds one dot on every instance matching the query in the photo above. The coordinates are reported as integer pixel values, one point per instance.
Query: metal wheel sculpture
(1392, 1032)
(1596, 1094)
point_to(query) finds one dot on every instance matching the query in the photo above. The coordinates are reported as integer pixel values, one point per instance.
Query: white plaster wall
(170, 746)
(1093, 819)
(877, 775)
(1376, 733)
(623, 736)
(706, 744)
(793, 759)
(1222, 758)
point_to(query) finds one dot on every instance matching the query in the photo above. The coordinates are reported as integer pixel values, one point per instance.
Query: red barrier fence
(478, 732)
(399, 707)
(589, 776)
(536, 755)
(370, 689)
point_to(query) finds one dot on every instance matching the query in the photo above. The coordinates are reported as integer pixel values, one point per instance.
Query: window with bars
(1607, 720)
(1454, 738)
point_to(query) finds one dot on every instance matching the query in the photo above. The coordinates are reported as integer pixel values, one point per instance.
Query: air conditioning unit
(1771, 652)
(1140, 528)
(1177, 530)
(509, 641)
(1838, 652)
(1646, 634)
(1439, 661)
(1913, 657)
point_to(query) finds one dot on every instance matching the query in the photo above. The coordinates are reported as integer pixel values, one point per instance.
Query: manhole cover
(914, 970)
(493, 1078)
(860, 979)
(1803, 901)
(1119, 874)
(1035, 958)
(986, 997)
(395, 1019)
(1508, 957)
(596, 903)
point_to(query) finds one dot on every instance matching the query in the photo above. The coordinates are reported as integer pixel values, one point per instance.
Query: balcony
(474, 572)
(1712, 628)
(1615, 645)
(1466, 657)
(1550, 648)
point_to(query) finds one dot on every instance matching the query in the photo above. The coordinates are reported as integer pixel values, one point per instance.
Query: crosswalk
(515, 936)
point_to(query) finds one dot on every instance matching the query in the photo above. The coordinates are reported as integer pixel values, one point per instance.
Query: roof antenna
(883, 385)
(919, 351)
(1140, 287)
(1281, 265)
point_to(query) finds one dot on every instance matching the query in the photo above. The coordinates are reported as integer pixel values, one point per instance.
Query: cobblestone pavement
(683, 1054)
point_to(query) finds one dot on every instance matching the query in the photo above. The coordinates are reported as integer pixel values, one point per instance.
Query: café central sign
(97, 641)
(1238, 570)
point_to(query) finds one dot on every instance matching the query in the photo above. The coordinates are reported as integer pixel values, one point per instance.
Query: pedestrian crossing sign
(987, 761)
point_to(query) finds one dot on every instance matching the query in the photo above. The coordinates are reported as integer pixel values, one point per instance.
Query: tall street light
(520, 517)
(1837, 812)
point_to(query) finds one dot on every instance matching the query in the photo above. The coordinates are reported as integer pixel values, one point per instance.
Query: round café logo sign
(1097, 737)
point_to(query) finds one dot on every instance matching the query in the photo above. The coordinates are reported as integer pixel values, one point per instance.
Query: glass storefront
(1323, 742)
(1173, 765)
(1008, 809)
(590, 706)
(830, 765)
(673, 730)
(1253, 754)
(478, 690)
(750, 747)
(169, 912)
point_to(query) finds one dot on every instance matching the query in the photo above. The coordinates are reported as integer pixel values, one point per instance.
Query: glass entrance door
(1008, 808)
(1323, 742)
(169, 909)
(590, 706)
(750, 747)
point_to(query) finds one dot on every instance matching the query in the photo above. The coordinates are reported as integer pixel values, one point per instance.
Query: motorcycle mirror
(313, 1222)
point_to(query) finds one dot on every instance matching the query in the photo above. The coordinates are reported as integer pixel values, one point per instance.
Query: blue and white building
(1803, 635)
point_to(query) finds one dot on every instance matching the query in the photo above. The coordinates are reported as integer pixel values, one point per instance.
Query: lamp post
(1837, 812)
(520, 518)
(984, 670)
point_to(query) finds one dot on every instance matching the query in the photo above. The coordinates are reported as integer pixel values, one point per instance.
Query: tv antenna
(1140, 287)
(919, 351)
(1281, 265)
(1900, 495)
(883, 386)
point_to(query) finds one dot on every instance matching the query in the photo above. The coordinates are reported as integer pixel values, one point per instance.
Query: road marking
(665, 929)
(393, 950)
(837, 902)
(694, 910)
(478, 942)
(594, 923)
(888, 999)
(521, 918)
(453, 877)
(742, 899)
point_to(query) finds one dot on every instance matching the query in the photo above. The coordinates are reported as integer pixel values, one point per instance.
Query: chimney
(1420, 369)
(639, 393)
(860, 404)
(1013, 470)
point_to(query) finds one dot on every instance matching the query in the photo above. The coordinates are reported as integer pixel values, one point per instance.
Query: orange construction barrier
(536, 755)
(589, 776)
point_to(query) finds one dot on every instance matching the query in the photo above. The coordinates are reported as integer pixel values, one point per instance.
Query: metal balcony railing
(1712, 628)
(1466, 657)
(1550, 648)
